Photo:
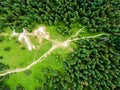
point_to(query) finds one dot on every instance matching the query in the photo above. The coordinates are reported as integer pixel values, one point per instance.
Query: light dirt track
(56, 44)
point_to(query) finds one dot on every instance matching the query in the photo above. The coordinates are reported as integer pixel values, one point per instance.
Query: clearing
(25, 57)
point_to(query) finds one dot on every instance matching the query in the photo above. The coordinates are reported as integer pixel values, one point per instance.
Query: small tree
(7, 49)
(1, 57)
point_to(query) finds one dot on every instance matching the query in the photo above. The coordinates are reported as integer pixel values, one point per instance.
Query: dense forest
(95, 63)
(90, 67)
(97, 15)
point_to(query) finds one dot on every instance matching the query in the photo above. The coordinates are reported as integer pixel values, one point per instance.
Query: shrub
(7, 49)
(22, 48)
(1, 57)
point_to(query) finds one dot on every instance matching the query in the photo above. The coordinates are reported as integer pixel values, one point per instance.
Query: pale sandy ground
(24, 36)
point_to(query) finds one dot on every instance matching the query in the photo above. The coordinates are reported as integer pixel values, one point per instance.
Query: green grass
(17, 58)
(37, 77)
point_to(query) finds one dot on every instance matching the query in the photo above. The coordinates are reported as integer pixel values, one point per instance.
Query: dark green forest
(95, 63)
(90, 67)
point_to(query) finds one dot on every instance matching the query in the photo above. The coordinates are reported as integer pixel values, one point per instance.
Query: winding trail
(56, 44)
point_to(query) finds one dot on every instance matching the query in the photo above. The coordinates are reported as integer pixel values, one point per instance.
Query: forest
(95, 63)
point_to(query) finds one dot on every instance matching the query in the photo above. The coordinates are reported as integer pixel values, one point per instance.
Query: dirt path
(75, 39)
(56, 44)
